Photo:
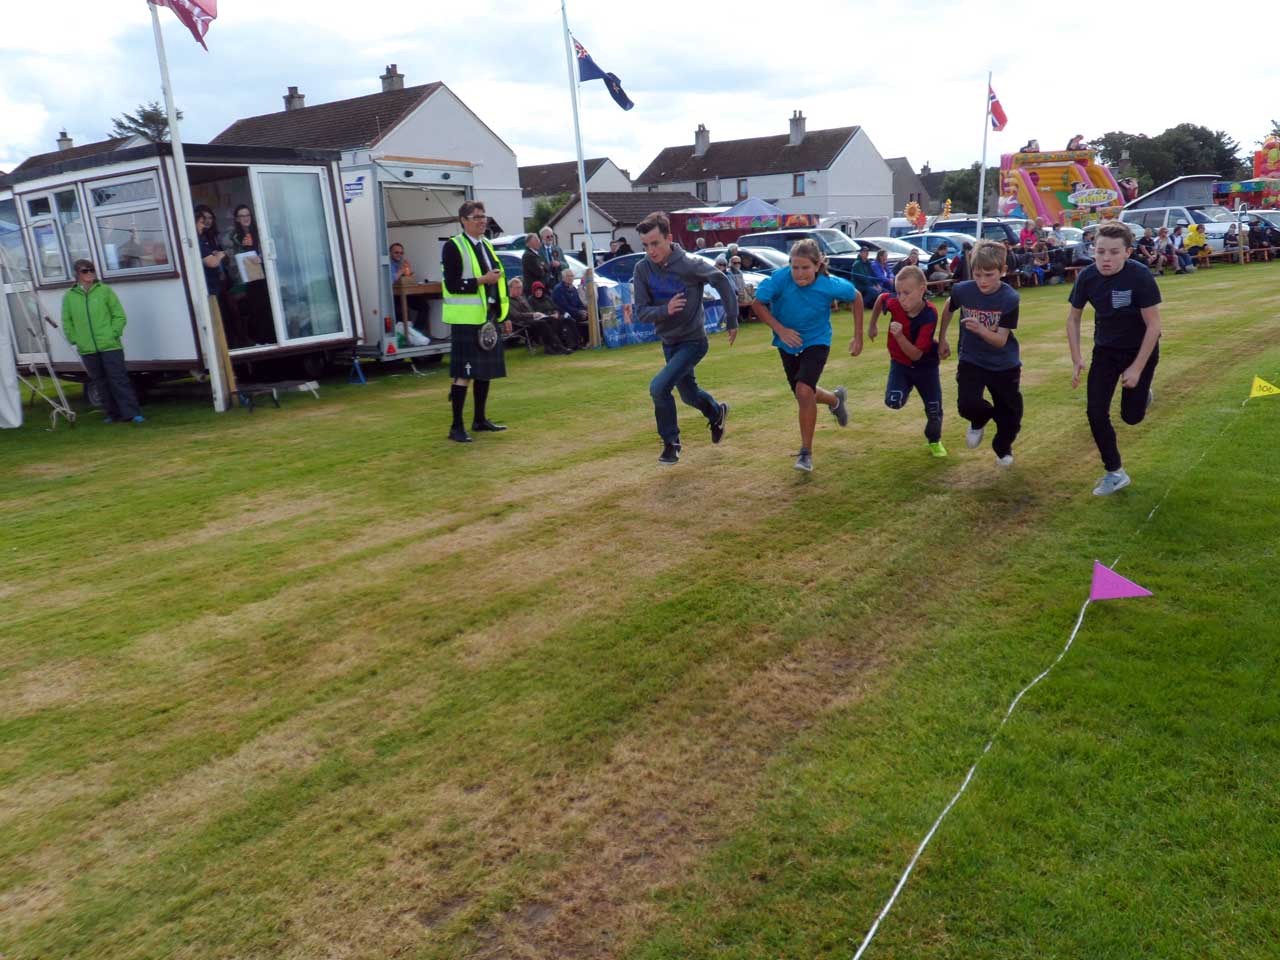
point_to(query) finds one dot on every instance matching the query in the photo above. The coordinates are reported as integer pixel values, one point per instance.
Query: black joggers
(1005, 407)
(1104, 373)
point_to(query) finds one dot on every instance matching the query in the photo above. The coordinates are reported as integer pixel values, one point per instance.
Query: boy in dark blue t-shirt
(989, 359)
(1126, 338)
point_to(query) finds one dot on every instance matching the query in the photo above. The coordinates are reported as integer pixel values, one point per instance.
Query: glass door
(17, 288)
(300, 253)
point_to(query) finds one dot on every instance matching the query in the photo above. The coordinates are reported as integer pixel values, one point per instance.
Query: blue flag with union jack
(588, 70)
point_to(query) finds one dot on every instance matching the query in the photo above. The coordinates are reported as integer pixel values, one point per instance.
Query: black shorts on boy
(806, 366)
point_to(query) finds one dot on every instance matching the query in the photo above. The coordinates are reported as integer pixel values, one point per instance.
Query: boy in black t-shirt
(1126, 337)
(989, 360)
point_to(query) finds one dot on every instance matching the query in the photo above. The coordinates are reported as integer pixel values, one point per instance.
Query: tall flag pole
(186, 218)
(982, 170)
(589, 280)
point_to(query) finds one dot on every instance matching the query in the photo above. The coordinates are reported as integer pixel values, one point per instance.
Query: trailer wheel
(93, 393)
(311, 365)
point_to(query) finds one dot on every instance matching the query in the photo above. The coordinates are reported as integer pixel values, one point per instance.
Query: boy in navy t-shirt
(913, 353)
(1126, 342)
(989, 358)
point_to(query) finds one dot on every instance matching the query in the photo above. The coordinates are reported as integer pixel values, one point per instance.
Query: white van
(1215, 220)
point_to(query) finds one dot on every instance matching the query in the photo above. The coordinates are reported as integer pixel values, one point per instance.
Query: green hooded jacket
(93, 322)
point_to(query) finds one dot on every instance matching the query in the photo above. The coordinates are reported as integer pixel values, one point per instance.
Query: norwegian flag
(998, 119)
(196, 15)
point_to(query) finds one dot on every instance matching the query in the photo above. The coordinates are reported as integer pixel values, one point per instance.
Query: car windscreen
(1214, 214)
(836, 242)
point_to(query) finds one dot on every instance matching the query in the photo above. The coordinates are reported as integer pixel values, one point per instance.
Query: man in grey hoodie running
(667, 290)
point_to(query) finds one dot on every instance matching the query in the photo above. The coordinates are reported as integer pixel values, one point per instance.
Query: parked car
(841, 251)
(1215, 220)
(620, 270)
(931, 239)
(753, 277)
(991, 229)
(511, 241)
(604, 285)
(898, 248)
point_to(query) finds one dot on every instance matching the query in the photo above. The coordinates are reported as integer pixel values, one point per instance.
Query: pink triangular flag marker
(1109, 585)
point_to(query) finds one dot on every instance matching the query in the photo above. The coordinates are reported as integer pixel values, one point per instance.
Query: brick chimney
(64, 142)
(393, 79)
(925, 171)
(293, 100)
(797, 129)
(701, 140)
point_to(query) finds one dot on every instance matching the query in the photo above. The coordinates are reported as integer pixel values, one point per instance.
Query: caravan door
(301, 254)
(17, 288)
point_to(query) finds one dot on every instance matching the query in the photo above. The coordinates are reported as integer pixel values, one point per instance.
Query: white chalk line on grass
(902, 881)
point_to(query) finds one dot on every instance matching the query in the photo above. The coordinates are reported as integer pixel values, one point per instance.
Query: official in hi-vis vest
(475, 307)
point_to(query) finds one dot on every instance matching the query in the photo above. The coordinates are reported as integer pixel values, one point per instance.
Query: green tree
(544, 210)
(149, 121)
(961, 186)
(1185, 149)
(1275, 132)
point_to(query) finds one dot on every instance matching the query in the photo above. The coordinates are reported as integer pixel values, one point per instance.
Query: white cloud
(911, 73)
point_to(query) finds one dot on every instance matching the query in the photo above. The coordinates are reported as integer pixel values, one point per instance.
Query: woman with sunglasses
(93, 322)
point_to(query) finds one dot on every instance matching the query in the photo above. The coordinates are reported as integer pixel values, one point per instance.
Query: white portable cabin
(413, 202)
(118, 209)
(409, 157)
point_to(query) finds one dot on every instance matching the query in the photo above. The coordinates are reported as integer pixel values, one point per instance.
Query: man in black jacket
(532, 264)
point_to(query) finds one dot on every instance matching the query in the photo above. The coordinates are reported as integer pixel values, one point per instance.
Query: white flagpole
(982, 170)
(589, 281)
(187, 231)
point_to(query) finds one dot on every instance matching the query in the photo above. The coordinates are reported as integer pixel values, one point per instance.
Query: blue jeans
(681, 359)
(927, 383)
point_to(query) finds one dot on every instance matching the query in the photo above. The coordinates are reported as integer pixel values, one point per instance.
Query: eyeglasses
(479, 216)
(86, 270)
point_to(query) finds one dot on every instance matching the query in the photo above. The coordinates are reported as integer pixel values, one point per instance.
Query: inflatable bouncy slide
(1069, 186)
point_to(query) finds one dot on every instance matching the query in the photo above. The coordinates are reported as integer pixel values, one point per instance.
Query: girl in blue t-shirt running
(795, 302)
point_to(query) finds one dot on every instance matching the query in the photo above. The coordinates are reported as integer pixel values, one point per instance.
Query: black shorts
(806, 366)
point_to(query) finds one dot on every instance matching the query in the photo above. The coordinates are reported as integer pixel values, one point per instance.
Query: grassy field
(314, 683)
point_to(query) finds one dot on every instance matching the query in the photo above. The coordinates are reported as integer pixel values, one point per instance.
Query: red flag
(998, 119)
(196, 15)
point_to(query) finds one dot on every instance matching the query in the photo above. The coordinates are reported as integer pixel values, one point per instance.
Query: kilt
(467, 361)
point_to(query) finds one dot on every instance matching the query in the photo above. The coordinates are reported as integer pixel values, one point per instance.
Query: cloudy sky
(911, 73)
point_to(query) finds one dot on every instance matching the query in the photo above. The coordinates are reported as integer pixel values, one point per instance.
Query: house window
(130, 227)
(57, 229)
(742, 189)
(653, 189)
(797, 184)
(700, 188)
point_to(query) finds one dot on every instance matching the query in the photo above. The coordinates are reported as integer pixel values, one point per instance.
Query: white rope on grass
(902, 881)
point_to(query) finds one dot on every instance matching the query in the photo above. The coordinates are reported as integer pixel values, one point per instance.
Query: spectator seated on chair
(1144, 251)
(566, 330)
(524, 317)
(569, 303)
(939, 266)
(1196, 242)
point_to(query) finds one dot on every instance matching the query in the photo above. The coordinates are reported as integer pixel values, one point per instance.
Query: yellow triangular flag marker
(1263, 389)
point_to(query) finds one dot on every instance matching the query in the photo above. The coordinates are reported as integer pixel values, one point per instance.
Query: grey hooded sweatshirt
(655, 284)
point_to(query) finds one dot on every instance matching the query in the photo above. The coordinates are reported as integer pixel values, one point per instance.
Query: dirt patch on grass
(52, 471)
(51, 685)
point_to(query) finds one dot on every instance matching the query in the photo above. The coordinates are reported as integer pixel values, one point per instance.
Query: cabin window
(130, 227)
(742, 188)
(700, 190)
(58, 233)
(797, 184)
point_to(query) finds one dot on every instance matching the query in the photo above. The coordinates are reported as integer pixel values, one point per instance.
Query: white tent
(10, 396)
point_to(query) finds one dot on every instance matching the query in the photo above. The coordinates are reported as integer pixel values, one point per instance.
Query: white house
(614, 216)
(409, 157)
(837, 171)
(546, 180)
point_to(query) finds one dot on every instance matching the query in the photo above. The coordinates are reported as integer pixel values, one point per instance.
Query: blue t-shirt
(1118, 301)
(996, 309)
(806, 310)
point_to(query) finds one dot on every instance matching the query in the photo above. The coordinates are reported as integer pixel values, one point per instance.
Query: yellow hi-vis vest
(473, 308)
